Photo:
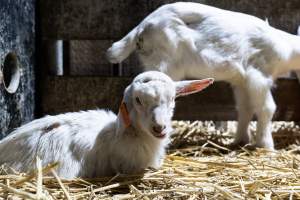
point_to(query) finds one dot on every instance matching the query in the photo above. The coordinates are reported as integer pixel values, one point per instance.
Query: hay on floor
(198, 166)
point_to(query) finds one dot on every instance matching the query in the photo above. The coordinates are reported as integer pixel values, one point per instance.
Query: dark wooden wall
(106, 19)
(17, 35)
(88, 27)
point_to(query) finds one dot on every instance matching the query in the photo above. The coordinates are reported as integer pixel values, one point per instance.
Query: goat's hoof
(253, 147)
(266, 145)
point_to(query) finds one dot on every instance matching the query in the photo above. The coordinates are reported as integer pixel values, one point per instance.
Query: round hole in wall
(11, 73)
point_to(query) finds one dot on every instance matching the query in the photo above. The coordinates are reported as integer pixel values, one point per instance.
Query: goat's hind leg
(264, 107)
(245, 114)
(264, 113)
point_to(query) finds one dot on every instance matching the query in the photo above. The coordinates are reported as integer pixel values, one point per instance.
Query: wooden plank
(106, 19)
(90, 19)
(88, 58)
(65, 94)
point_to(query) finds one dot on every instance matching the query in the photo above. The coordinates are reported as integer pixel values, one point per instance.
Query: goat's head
(149, 101)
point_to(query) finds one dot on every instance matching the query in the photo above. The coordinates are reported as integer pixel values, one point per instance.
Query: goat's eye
(138, 101)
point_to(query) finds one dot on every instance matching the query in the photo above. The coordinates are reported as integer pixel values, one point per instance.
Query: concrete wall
(17, 35)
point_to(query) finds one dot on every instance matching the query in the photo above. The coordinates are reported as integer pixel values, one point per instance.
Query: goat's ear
(184, 88)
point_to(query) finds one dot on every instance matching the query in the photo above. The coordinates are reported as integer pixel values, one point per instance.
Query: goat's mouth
(161, 134)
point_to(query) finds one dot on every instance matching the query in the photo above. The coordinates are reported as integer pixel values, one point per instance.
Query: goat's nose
(158, 128)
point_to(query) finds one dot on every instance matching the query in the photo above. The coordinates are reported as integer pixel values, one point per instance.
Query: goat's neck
(131, 131)
(121, 128)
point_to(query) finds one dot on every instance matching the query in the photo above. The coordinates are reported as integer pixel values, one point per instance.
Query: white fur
(195, 40)
(298, 71)
(97, 143)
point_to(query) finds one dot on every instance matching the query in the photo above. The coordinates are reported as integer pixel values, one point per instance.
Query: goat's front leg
(264, 124)
(245, 114)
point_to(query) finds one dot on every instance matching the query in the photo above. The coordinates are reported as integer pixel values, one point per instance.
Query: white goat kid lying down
(99, 143)
(195, 40)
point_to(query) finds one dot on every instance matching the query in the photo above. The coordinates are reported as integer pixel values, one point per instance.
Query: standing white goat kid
(195, 40)
(99, 143)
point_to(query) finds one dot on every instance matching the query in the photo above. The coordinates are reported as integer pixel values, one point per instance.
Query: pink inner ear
(125, 114)
(196, 86)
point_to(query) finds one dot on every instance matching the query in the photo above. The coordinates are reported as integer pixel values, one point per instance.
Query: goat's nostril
(159, 128)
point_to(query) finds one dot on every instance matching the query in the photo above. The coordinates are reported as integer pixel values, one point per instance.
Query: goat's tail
(121, 49)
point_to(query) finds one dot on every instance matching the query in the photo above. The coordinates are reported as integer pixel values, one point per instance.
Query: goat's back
(65, 138)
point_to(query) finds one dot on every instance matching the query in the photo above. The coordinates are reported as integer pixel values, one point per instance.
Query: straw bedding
(199, 165)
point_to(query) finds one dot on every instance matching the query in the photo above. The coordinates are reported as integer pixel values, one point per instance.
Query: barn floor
(198, 166)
